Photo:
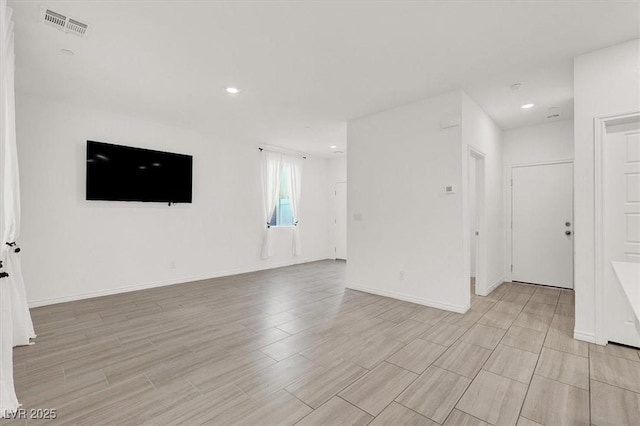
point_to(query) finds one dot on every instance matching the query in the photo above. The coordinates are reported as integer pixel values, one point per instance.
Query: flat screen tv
(124, 173)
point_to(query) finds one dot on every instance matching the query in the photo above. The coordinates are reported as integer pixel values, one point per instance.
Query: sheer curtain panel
(271, 168)
(16, 326)
(295, 180)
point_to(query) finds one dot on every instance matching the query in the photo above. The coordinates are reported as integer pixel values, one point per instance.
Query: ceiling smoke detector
(63, 22)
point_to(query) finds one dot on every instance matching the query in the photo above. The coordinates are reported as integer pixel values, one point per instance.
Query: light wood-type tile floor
(291, 345)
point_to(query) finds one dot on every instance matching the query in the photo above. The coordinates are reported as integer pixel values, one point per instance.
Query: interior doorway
(340, 220)
(617, 224)
(477, 257)
(542, 224)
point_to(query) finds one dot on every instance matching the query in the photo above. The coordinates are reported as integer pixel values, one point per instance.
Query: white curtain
(294, 164)
(271, 167)
(16, 327)
(8, 399)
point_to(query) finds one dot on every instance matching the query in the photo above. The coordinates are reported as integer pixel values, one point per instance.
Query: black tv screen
(123, 173)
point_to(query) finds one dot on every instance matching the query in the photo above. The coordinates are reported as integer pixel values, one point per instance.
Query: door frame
(600, 124)
(335, 216)
(481, 239)
(509, 226)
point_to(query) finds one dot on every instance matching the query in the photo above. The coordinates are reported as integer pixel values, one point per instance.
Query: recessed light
(333, 146)
(527, 106)
(67, 52)
(233, 90)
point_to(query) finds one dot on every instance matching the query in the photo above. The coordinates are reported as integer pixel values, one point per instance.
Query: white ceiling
(307, 67)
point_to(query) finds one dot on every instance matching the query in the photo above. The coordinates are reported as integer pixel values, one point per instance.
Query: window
(282, 214)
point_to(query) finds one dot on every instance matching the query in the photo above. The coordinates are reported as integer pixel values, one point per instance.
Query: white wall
(337, 174)
(73, 248)
(605, 82)
(338, 169)
(480, 132)
(408, 241)
(538, 144)
(533, 144)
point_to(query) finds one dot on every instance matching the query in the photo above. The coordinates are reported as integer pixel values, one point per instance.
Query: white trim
(481, 240)
(335, 218)
(509, 223)
(493, 286)
(599, 132)
(476, 152)
(542, 163)
(154, 284)
(599, 128)
(584, 336)
(418, 300)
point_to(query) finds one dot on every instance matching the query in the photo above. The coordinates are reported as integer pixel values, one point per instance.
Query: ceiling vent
(63, 22)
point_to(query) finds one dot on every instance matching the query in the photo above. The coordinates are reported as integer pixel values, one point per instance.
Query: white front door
(621, 224)
(340, 221)
(542, 224)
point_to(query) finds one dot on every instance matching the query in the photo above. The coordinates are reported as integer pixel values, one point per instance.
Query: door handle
(567, 232)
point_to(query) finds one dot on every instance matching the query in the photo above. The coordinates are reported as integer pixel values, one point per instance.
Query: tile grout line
(353, 405)
(614, 386)
(524, 400)
(298, 399)
(487, 360)
(149, 380)
(432, 364)
(326, 293)
(194, 386)
(471, 381)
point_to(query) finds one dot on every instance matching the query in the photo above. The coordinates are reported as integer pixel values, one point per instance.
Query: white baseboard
(584, 336)
(495, 285)
(491, 287)
(418, 300)
(153, 284)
